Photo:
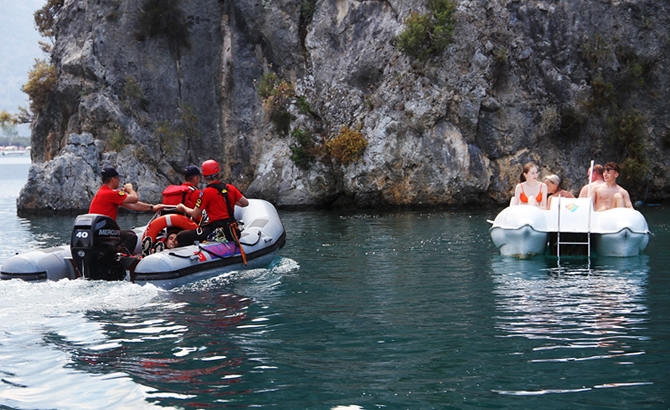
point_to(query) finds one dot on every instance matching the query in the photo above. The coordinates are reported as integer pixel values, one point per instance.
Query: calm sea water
(361, 311)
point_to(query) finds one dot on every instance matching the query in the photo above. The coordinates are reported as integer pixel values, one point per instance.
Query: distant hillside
(18, 52)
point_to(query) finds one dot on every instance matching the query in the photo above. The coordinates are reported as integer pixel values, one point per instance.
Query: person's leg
(188, 237)
(229, 232)
(128, 240)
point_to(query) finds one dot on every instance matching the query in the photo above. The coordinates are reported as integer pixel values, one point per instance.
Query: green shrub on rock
(428, 35)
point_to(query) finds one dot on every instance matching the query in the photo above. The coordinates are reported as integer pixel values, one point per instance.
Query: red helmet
(210, 168)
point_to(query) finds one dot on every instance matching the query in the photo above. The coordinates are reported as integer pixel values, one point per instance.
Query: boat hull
(620, 244)
(523, 231)
(522, 242)
(40, 265)
(169, 269)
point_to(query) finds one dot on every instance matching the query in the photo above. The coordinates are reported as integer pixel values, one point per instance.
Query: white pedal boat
(523, 231)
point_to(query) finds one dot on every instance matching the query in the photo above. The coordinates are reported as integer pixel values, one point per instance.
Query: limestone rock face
(557, 83)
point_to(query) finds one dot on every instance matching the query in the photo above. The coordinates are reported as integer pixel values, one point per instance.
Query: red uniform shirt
(212, 201)
(191, 196)
(106, 201)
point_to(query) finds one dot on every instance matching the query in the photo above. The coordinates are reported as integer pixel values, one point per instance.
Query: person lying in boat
(109, 198)
(219, 200)
(554, 189)
(171, 240)
(530, 191)
(596, 178)
(168, 242)
(610, 195)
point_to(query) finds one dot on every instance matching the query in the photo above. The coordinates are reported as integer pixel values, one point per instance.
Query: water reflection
(191, 345)
(571, 314)
(178, 352)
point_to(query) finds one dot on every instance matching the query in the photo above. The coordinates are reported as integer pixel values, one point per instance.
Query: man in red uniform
(218, 200)
(109, 198)
(186, 193)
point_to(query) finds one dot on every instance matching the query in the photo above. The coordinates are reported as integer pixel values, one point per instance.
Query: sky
(18, 50)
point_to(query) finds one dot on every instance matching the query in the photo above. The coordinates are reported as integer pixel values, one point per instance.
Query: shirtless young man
(596, 180)
(610, 195)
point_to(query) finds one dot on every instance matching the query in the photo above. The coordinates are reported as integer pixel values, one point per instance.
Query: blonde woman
(554, 189)
(530, 191)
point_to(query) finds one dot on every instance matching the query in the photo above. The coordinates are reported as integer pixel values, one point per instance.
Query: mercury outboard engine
(95, 240)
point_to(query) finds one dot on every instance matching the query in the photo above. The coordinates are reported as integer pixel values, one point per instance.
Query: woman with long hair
(530, 191)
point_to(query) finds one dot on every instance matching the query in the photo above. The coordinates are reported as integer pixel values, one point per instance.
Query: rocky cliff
(268, 88)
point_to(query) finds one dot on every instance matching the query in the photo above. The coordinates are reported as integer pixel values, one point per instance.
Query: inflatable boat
(93, 252)
(569, 227)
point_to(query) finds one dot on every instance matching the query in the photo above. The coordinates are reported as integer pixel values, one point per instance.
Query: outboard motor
(95, 240)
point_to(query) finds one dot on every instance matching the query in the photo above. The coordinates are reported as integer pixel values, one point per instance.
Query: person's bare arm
(517, 195)
(194, 213)
(133, 203)
(584, 193)
(626, 198)
(142, 207)
(242, 202)
(131, 195)
(543, 203)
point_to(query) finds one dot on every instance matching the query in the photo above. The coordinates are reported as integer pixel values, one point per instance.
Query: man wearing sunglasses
(610, 195)
(109, 198)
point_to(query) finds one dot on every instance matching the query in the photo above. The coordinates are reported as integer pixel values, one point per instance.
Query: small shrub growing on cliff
(274, 91)
(628, 132)
(603, 96)
(348, 146)
(267, 84)
(303, 105)
(185, 128)
(45, 17)
(164, 18)
(596, 51)
(429, 34)
(134, 96)
(282, 121)
(167, 136)
(634, 70)
(189, 122)
(304, 151)
(277, 95)
(117, 140)
(41, 83)
(499, 66)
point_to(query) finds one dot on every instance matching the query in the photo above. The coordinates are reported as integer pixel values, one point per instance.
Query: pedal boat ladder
(559, 243)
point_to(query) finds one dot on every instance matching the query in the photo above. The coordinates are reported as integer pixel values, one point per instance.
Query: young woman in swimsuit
(530, 191)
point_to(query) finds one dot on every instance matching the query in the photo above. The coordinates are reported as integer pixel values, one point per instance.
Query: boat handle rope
(233, 230)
